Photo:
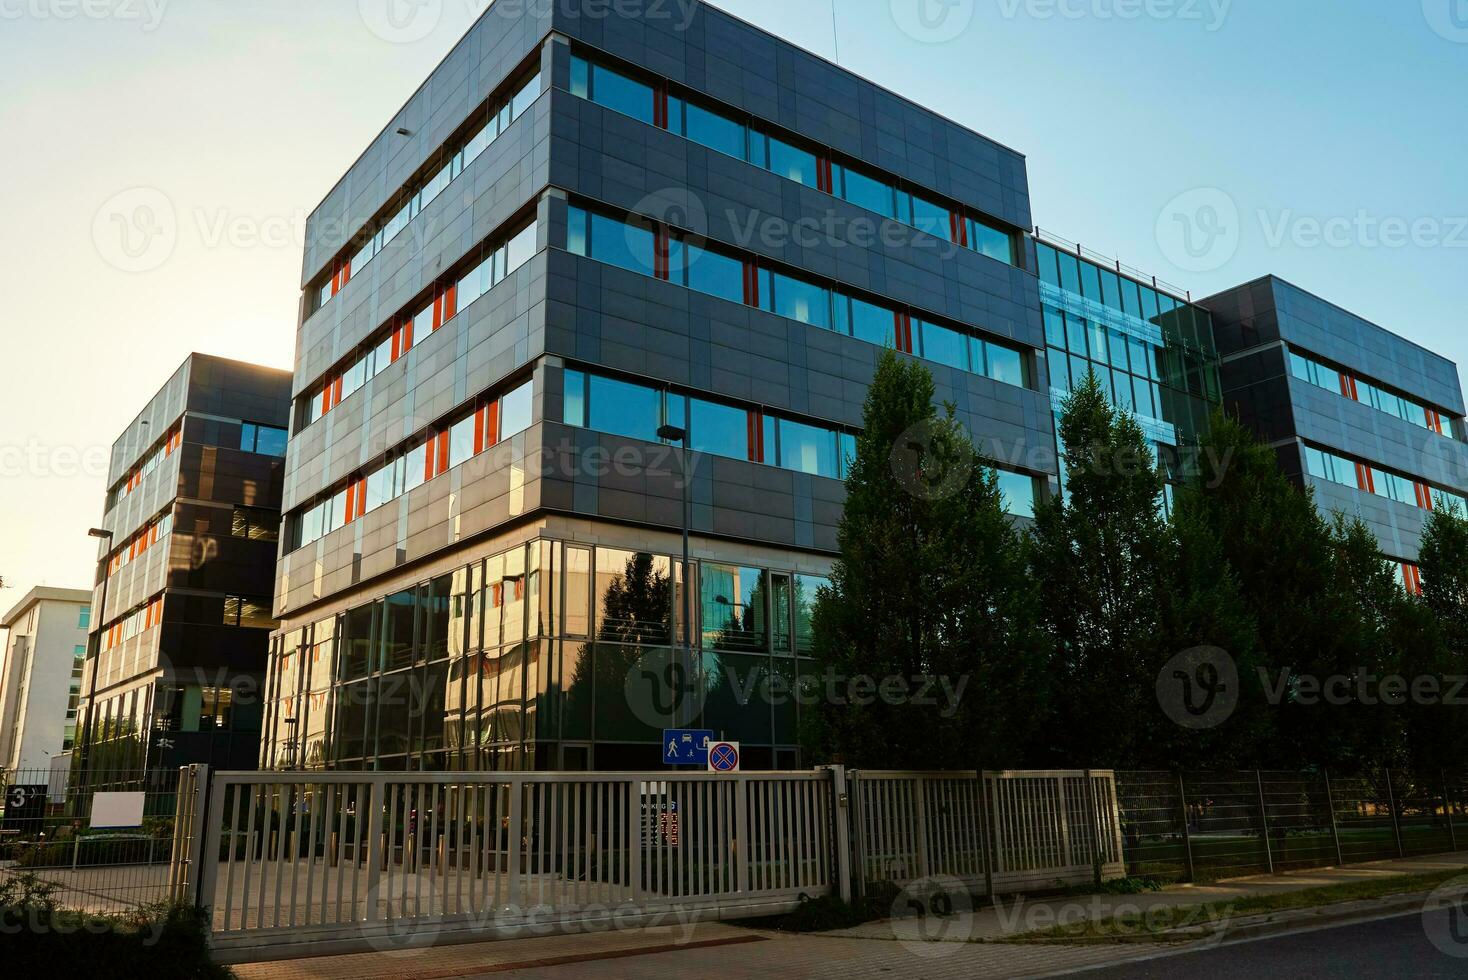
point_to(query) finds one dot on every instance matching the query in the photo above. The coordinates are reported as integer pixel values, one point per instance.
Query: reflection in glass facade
(498, 665)
(1154, 354)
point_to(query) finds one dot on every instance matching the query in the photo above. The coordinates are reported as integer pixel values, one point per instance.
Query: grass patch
(1154, 923)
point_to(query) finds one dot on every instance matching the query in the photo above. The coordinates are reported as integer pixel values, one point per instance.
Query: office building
(40, 677)
(181, 610)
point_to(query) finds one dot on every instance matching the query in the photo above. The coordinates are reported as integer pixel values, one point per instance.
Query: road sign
(686, 746)
(723, 757)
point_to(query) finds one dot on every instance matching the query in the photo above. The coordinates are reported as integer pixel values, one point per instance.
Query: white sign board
(117, 810)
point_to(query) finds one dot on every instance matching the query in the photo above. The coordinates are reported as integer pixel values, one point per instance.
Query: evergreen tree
(1099, 553)
(1443, 564)
(930, 581)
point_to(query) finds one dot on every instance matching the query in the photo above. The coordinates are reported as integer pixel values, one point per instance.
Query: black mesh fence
(1211, 825)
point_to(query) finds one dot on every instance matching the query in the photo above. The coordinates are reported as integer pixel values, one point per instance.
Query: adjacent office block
(40, 677)
(181, 610)
(1371, 421)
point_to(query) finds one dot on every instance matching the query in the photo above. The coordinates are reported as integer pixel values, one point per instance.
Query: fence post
(378, 793)
(741, 833)
(1264, 821)
(1095, 827)
(841, 817)
(920, 830)
(1391, 802)
(1335, 831)
(635, 820)
(986, 833)
(212, 836)
(1182, 803)
(191, 850)
(1448, 809)
(516, 835)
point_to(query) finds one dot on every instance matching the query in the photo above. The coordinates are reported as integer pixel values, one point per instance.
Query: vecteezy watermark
(409, 21)
(928, 466)
(1448, 18)
(147, 13)
(44, 461)
(1123, 918)
(929, 914)
(1199, 230)
(668, 688)
(136, 230)
(1199, 688)
(1210, 13)
(401, 21)
(1445, 918)
(1363, 230)
(932, 21)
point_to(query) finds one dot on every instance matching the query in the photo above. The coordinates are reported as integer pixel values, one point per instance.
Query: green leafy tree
(931, 581)
(1099, 553)
(1443, 564)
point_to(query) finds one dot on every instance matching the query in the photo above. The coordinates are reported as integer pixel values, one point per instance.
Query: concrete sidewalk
(960, 945)
(1009, 918)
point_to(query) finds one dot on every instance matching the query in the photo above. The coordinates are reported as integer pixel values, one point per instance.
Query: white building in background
(41, 675)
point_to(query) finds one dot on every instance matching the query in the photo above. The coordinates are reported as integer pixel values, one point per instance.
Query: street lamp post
(678, 434)
(94, 652)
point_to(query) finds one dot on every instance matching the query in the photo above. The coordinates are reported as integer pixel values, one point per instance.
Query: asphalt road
(1386, 949)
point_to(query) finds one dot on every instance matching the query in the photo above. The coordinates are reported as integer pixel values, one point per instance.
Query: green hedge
(40, 939)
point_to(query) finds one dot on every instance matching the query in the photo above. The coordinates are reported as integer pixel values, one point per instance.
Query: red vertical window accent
(397, 343)
(904, 332)
(336, 391)
(326, 400)
(660, 253)
(407, 337)
(346, 272)
(660, 106)
(479, 445)
(351, 503)
(825, 180)
(958, 228)
(1364, 479)
(361, 497)
(751, 284)
(429, 471)
(443, 452)
(756, 433)
(450, 303)
(491, 424)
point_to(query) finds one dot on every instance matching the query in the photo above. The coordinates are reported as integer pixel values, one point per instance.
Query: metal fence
(1022, 830)
(345, 858)
(47, 829)
(1210, 825)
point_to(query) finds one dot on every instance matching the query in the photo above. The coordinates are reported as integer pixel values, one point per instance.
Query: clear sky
(1205, 141)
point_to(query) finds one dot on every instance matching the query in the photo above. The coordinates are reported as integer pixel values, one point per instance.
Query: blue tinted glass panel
(1079, 368)
(1111, 289)
(270, 441)
(574, 399)
(792, 163)
(865, 192)
(1018, 491)
(719, 429)
(1005, 365)
(621, 93)
(623, 245)
(1045, 256)
(1118, 350)
(1131, 298)
(991, 242)
(247, 437)
(1122, 389)
(515, 410)
(943, 345)
(709, 272)
(1070, 272)
(874, 324)
(1090, 281)
(714, 131)
(625, 409)
(580, 77)
(576, 231)
(1055, 363)
(1075, 334)
(808, 449)
(1054, 327)
(1142, 397)
(931, 218)
(802, 301)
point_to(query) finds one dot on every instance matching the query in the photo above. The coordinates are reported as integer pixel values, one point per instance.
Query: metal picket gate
(350, 860)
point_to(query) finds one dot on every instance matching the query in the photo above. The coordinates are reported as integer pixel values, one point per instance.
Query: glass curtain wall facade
(1153, 353)
(529, 658)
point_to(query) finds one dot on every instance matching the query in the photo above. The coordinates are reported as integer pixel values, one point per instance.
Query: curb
(1270, 923)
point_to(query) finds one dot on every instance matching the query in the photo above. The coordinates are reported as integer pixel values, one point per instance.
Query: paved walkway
(909, 949)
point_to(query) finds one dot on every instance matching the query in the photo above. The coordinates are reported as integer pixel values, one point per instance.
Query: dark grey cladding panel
(493, 189)
(608, 157)
(1270, 309)
(498, 43)
(607, 317)
(713, 52)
